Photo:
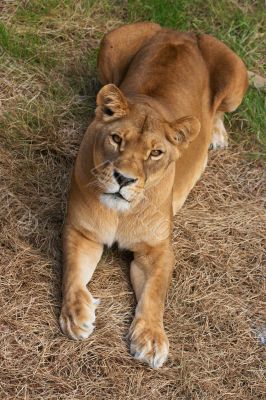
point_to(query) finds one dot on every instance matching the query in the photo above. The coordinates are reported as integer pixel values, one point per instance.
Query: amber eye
(156, 153)
(116, 138)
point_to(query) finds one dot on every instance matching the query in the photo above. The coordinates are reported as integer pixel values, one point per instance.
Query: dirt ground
(215, 311)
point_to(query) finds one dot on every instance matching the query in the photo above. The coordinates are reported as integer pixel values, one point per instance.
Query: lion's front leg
(81, 257)
(150, 275)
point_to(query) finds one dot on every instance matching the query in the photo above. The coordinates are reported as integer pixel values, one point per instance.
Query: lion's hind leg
(219, 134)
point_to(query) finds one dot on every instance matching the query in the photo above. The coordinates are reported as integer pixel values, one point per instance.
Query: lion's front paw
(148, 343)
(78, 314)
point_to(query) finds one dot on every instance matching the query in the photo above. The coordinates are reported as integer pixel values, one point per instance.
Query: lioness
(159, 111)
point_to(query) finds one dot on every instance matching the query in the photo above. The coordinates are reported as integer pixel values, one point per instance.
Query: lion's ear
(111, 103)
(183, 131)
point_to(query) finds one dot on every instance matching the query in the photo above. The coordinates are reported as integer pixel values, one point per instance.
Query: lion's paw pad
(148, 344)
(78, 315)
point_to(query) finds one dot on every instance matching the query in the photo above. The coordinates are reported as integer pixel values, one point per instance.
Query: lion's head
(134, 146)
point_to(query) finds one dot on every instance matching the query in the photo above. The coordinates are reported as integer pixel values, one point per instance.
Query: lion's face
(134, 147)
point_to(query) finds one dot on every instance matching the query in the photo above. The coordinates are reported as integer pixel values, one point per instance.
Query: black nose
(123, 180)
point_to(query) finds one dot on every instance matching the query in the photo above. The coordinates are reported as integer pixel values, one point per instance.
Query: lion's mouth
(117, 195)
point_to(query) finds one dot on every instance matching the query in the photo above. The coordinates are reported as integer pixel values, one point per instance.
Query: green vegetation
(48, 52)
(241, 26)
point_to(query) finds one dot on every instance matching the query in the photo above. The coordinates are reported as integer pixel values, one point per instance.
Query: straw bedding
(215, 310)
(215, 305)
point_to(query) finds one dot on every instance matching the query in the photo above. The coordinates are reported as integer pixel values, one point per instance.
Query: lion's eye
(116, 138)
(156, 153)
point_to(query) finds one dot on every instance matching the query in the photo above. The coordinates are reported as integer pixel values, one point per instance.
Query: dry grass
(216, 304)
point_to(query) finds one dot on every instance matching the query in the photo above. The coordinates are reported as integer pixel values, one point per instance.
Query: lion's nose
(123, 180)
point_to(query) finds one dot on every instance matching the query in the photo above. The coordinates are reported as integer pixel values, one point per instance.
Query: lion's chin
(115, 202)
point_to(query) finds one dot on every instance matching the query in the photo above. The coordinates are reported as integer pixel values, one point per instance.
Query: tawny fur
(164, 90)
